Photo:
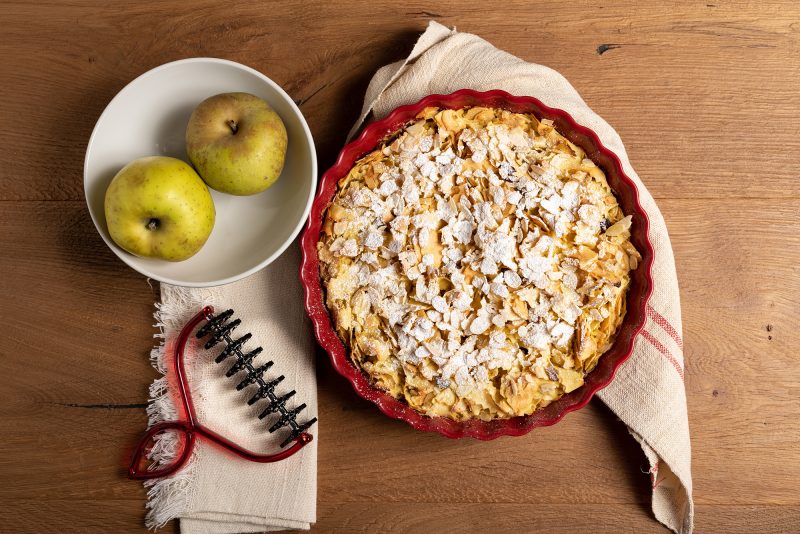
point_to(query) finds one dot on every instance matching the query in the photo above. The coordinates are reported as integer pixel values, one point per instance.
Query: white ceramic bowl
(148, 118)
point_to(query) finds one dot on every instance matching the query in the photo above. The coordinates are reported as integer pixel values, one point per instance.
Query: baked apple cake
(475, 265)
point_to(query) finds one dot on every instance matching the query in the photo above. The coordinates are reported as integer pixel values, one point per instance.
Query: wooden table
(706, 96)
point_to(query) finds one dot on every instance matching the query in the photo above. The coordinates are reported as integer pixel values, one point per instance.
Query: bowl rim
(369, 138)
(127, 258)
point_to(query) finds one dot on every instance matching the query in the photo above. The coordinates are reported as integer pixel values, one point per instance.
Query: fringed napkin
(218, 493)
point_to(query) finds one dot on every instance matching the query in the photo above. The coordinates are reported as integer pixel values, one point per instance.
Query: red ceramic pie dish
(638, 294)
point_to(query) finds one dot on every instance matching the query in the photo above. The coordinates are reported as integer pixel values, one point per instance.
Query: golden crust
(476, 264)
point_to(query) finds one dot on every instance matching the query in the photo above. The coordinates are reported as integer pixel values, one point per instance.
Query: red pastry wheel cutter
(219, 329)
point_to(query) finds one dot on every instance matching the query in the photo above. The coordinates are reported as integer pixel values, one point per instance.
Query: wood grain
(705, 96)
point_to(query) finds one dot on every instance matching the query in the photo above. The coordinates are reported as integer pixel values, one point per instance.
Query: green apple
(159, 207)
(237, 143)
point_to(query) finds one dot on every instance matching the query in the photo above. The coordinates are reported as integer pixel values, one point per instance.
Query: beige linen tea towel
(218, 493)
(648, 393)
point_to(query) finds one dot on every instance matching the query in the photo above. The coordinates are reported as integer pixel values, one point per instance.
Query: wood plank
(566, 518)
(737, 266)
(713, 57)
(77, 334)
(90, 517)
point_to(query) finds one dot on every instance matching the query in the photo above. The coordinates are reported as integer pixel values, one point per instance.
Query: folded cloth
(218, 493)
(648, 393)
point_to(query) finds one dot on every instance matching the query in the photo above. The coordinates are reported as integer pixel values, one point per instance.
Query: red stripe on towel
(661, 321)
(663, 350)
(654, 475)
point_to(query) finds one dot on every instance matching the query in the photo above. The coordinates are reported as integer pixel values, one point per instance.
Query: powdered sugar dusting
(468, 255)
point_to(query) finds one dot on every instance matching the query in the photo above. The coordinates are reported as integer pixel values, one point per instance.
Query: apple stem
(152, 224)
(234, 127)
